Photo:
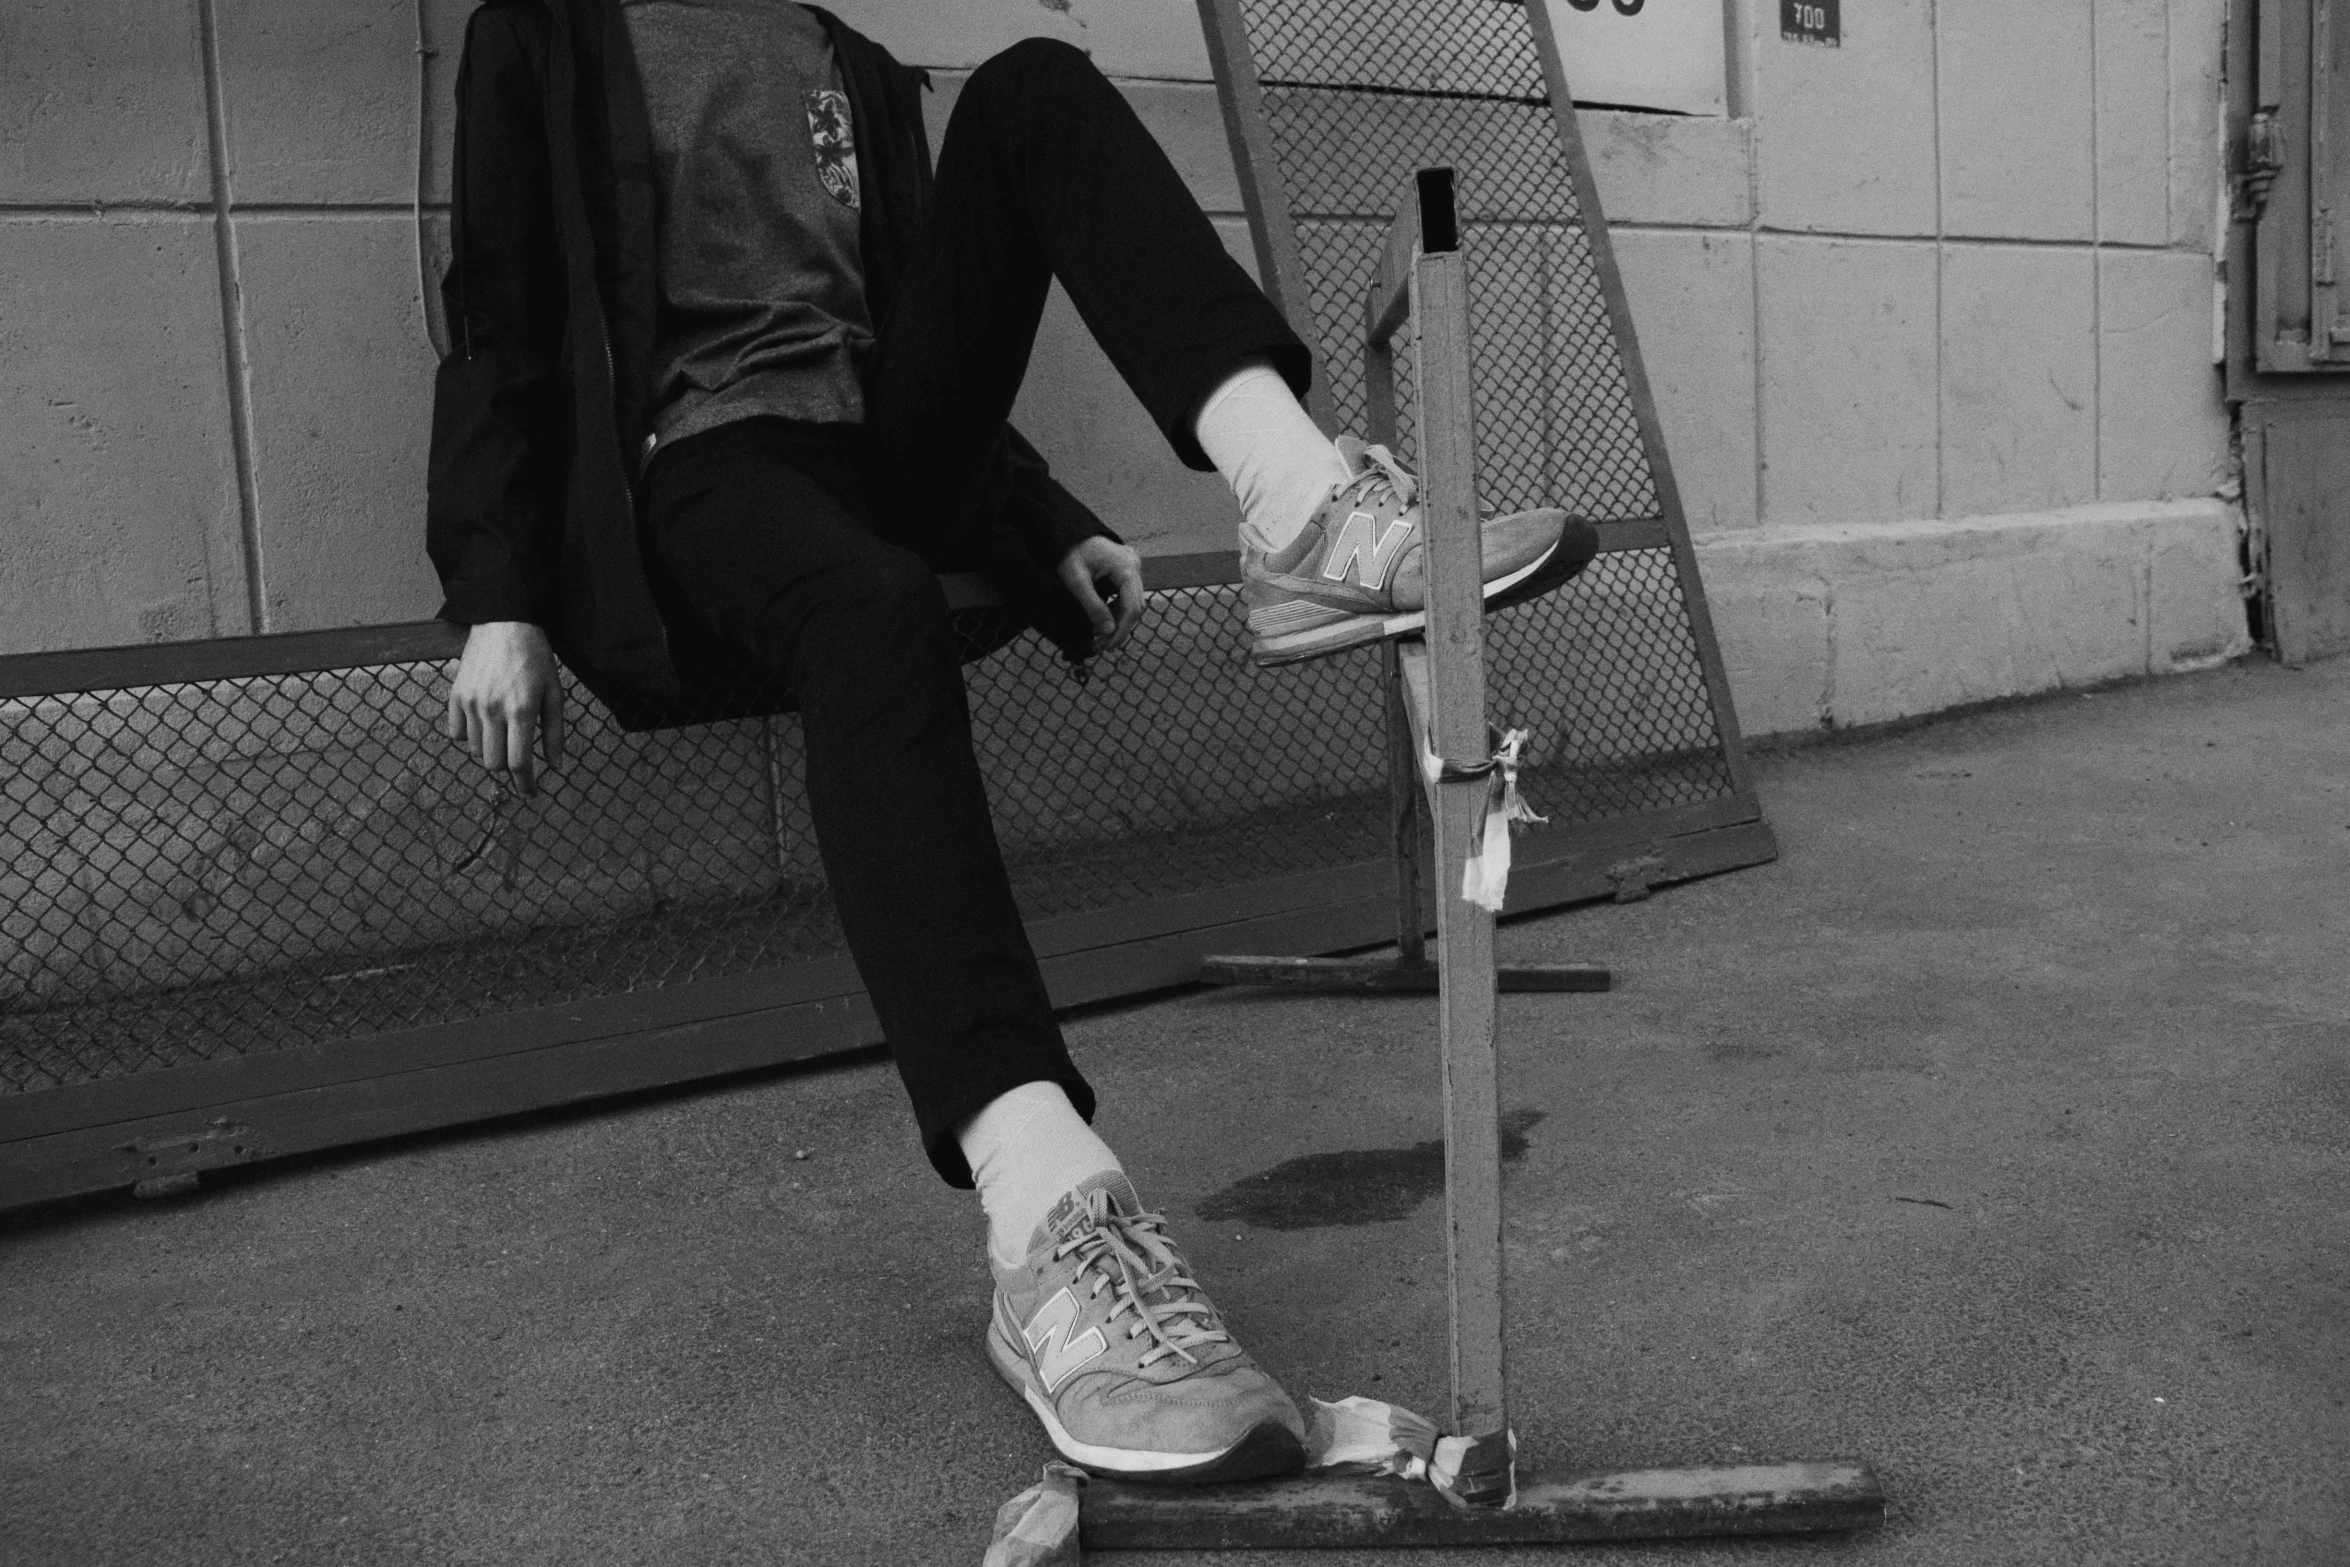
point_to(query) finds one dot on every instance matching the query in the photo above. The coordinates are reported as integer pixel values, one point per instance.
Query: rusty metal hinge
(2264, 160)
(168, 1162)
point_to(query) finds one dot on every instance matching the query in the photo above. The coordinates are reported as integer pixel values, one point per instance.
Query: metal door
(2288, 318)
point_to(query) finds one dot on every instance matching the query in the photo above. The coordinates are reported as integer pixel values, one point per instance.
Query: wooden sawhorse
(1440, 687)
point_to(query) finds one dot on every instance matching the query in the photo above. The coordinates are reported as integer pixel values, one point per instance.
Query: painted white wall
(1669, 55)
(1153, 39)
(1960, 265)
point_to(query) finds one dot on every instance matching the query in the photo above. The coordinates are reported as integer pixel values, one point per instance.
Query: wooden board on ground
(1337, 1512)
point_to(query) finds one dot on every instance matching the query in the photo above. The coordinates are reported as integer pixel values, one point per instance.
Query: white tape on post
(1485, 878)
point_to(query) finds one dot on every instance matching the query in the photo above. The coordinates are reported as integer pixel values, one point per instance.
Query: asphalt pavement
(1998, 1133)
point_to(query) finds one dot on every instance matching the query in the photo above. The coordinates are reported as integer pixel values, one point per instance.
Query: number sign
(1811, 22)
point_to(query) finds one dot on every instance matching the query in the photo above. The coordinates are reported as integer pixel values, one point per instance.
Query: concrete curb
(1836, 625)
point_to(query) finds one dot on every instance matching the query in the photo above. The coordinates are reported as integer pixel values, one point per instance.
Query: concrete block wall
(1983, 253)
(1958, 267)
(1958, 271)
(1843, 623)
(216, 375)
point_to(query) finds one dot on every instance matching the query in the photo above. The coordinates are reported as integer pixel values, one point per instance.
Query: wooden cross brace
(1423, 281)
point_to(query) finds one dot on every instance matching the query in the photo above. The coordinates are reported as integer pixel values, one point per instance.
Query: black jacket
(542, 408)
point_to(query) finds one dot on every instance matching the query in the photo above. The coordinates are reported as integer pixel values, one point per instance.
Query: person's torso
(763, 307)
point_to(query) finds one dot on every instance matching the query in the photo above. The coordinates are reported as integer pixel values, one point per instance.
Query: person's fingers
(521, 742)
(1089, 598)
(1132, 599)
(551, 725)
(489, 740)
(453, 717)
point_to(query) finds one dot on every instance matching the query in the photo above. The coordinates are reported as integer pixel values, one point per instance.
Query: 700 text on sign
(1802, 21)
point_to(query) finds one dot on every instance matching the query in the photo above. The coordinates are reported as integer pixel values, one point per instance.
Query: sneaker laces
(1380, 469)
(1381, 465)
(1131, 1254)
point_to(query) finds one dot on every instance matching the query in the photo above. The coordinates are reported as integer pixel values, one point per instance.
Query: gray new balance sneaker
(1359, 571)
(1102, 1330)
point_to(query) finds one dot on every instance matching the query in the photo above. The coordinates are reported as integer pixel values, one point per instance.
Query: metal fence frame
(1276, 214)
(1281, 265)
(157, 1129)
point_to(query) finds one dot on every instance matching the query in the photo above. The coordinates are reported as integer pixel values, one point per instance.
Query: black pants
(814, 546)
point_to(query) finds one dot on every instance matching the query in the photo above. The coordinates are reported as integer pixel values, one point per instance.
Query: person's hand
(1086, 569)
(506, 700)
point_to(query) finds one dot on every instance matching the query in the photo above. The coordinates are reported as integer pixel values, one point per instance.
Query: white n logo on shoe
(1355, 550)
(1058, 1357)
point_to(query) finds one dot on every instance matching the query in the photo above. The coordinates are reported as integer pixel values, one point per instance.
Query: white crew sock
(1280, 465)
(1027, 1149)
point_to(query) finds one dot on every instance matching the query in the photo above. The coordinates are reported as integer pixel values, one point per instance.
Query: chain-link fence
(220, 868)
(1356, 96)
(1359, 96)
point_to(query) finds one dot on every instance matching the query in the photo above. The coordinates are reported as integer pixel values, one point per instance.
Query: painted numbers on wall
(1811, 22)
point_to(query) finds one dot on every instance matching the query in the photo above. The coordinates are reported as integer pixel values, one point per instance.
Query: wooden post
(1445, 688)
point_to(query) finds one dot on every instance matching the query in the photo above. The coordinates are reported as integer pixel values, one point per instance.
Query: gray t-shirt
(755, 167)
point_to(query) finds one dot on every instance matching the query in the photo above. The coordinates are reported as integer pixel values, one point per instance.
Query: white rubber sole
(1356, 630)
(1013, 1368)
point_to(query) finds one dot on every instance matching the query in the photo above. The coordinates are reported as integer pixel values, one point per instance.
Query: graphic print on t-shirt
(836, 144)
